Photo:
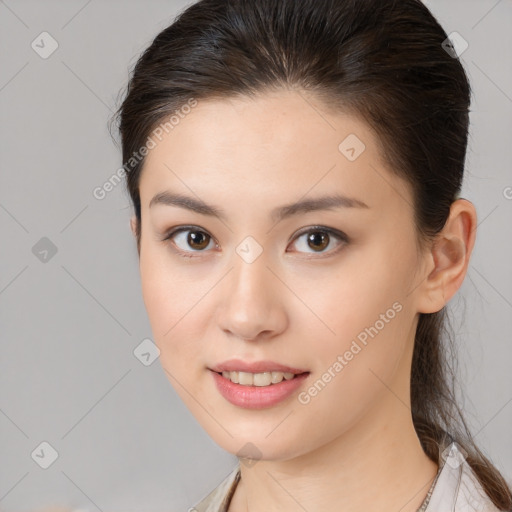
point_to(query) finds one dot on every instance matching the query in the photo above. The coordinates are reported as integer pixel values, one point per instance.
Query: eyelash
(313, 229)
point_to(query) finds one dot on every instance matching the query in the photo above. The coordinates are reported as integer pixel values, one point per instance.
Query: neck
(383, 470)
(376, 465)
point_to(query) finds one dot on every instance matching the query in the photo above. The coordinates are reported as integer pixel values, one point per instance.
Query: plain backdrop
(71, 309)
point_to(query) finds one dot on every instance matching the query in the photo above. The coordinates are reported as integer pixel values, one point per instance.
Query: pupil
(195, 239)
(318, 236)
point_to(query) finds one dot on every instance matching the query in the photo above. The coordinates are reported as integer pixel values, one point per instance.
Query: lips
(237, 365)
(255, 397)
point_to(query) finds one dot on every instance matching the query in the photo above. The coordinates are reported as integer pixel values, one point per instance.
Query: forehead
(282, 144)
(277, 121)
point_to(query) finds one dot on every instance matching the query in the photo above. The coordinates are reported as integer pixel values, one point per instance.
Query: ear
(134, 226)
(448, 259)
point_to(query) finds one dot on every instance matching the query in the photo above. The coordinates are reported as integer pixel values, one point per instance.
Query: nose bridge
(250, 304)
(250, 275)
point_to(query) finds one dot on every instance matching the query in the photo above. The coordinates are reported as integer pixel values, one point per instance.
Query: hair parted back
(381, 60)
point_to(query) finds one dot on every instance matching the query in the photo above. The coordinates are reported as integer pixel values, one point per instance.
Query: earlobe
(449, 258)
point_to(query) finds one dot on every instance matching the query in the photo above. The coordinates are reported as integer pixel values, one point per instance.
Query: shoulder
(458, 489)
(218, 499)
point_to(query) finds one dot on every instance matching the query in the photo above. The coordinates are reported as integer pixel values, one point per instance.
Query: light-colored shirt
(456, 489)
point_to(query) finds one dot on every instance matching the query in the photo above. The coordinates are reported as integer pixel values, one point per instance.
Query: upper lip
(237, 365)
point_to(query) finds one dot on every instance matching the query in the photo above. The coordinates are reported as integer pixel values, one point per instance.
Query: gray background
(70, 324)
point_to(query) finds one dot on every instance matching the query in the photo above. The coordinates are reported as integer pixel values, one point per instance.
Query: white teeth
(257, 379)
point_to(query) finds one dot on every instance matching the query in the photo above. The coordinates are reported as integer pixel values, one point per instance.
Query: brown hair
(380, 59)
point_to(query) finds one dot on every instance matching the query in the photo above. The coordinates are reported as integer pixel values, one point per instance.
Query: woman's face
(330, 291)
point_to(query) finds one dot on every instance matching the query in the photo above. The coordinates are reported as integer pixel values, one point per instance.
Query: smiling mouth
(259, 379)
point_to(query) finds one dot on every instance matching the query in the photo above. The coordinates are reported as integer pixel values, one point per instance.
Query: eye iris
(318, 236)
(195, 238)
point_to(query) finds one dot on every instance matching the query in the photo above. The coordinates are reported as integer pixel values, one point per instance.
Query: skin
(353, 446)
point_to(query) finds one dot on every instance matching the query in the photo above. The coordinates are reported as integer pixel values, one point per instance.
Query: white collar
(457, 488)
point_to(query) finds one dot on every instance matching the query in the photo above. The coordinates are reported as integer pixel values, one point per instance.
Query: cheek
(159, 291)
(167, 290)
(355, 374)
(169, 302)
(343, 303)
(369, 334)
(363, 319)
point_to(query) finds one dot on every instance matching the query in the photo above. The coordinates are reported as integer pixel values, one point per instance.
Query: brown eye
(190, 240)
(317, 239)
(198, 239)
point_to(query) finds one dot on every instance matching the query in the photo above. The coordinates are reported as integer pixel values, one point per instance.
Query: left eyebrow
(315, 204)
(277, 214)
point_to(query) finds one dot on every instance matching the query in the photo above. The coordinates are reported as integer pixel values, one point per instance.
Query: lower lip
(257, 397)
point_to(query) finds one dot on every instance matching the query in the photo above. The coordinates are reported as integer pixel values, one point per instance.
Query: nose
(251, 307)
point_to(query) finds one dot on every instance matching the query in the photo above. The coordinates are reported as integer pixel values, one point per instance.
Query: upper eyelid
(301, 231)
(340, 235)
(331, 231)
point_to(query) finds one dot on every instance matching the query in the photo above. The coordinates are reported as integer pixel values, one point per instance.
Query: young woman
(295, 169)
